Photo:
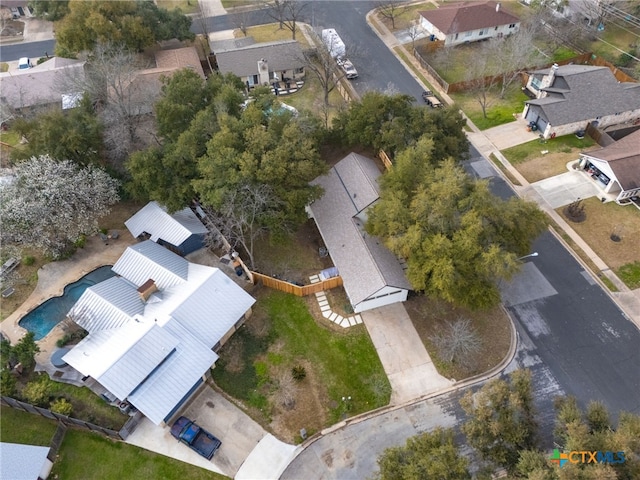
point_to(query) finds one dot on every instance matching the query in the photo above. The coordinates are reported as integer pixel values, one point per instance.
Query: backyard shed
(182, 231)
(371, 273)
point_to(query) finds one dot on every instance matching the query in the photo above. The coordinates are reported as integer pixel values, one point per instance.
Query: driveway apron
(403, 355)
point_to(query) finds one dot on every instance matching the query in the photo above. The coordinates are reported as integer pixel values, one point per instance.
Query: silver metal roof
(138, 362)
(109, 304)
(22, 461)
(172, 228)
(162, 391)
(365, 264)
(213, 308)
(148, 260)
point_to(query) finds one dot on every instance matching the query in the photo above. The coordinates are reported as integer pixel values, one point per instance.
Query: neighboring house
(52, 83)
(371, 274)
(181, 232)
(572, 96)
(24, 462)
(468, 22)
(154, 328)
(142, 90)
(260, 63)
(616, 168)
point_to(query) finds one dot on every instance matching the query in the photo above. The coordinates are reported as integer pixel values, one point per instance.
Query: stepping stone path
(330, 315)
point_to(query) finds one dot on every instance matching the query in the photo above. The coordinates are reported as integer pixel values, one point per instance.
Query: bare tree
(482, 81)
(457, 342)
(286, 391)
(241, 21)
(288, 13)
(390, 10)
(326, 70)
(414, 32)
(244, 216)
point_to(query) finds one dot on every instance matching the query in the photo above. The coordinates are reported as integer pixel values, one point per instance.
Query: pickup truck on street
(195, 437)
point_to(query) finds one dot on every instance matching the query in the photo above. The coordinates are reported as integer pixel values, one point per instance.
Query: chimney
(498, 7)
(147, 289)
(547, 80)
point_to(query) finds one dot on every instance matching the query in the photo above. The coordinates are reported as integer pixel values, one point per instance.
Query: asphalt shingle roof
(243, 61)
(585, 92)
(465, 17)
(364, 263)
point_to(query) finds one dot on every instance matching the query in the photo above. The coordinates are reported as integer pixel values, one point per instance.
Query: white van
(24, 63)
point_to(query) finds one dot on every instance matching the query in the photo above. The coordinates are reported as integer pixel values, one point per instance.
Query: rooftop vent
(147, 289)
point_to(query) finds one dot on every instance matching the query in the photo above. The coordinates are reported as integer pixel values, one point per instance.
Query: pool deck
(54, 276)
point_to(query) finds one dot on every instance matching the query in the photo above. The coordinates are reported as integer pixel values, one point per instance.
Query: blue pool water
(44, 317)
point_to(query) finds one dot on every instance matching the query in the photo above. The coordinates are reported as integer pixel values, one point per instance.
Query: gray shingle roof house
(572, 96)
(616, 168)
(371, 274)
(154, 328)
(468, 22)
(41, 86)
(261, 63)
(181, 231)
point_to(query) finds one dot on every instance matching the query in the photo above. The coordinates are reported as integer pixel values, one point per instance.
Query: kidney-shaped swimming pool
(47, 315)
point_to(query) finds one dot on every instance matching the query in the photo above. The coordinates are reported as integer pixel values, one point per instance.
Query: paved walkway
(404, 358)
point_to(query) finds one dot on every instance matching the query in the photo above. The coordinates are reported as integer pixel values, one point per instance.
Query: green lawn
(616, 36)
(186, 6)
(86, 456)
(25, 428)
(630, 274)
(271, 32)
(344, 364)
(530, 150)
(311, 97)
(500, 110)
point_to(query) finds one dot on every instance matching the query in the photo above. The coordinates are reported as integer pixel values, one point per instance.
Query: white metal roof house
(181, 231)
(466, 22)
(24, 462)
(154, 328)
(371, 274)
(570, 97)
(616, 168)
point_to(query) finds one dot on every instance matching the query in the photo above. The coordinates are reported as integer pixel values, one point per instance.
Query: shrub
(7, 383)
(80, 241)
(62, 406)
(61, 342)
(38, 391)
(298, 373)
(28, 260)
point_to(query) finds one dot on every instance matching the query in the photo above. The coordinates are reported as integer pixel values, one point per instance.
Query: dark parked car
(197, 438)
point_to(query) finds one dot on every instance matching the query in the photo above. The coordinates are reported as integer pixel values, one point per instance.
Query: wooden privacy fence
(300, 291)
(43, 412)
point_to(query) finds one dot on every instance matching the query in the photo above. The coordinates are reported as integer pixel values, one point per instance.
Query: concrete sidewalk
(404, 358)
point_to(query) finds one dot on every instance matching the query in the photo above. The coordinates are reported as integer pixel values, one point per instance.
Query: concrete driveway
(565, 188)
(510, 134)
(240, 435)
(404, 358)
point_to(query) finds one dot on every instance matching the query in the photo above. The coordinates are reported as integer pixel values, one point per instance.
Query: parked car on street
(24, 63)
(431, 100)
(195, 437)
(348, 68)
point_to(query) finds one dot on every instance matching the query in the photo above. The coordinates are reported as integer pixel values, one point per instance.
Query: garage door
(542, 124)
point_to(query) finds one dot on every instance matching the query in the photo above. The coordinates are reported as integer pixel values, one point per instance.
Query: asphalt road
(14, 51)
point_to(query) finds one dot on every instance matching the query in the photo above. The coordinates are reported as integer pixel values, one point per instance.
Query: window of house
(496, 28)
(513, 25)
(456, 37)
(467, 34)
(481, 32)
(299, 70)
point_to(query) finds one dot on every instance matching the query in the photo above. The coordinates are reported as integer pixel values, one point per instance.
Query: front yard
(607, 220)
(534, 165)
(259, 363)
(499, 110)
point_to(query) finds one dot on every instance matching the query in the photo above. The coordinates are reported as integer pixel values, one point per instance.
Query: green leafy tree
(393, 123)
(50, 10)
(458, 238)
(501, 420)
(74, 135)
(428, 455)
(25, 351)
(7, 383)
(135, 24)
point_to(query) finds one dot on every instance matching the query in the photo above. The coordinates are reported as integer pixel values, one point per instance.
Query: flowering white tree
(50, 204)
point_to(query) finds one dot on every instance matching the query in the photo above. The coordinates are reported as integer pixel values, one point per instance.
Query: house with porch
(154, 329)
(466, 22)
(570, 97)
(372, 275)
(616, 168)
(181, 232)
(261, 63)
